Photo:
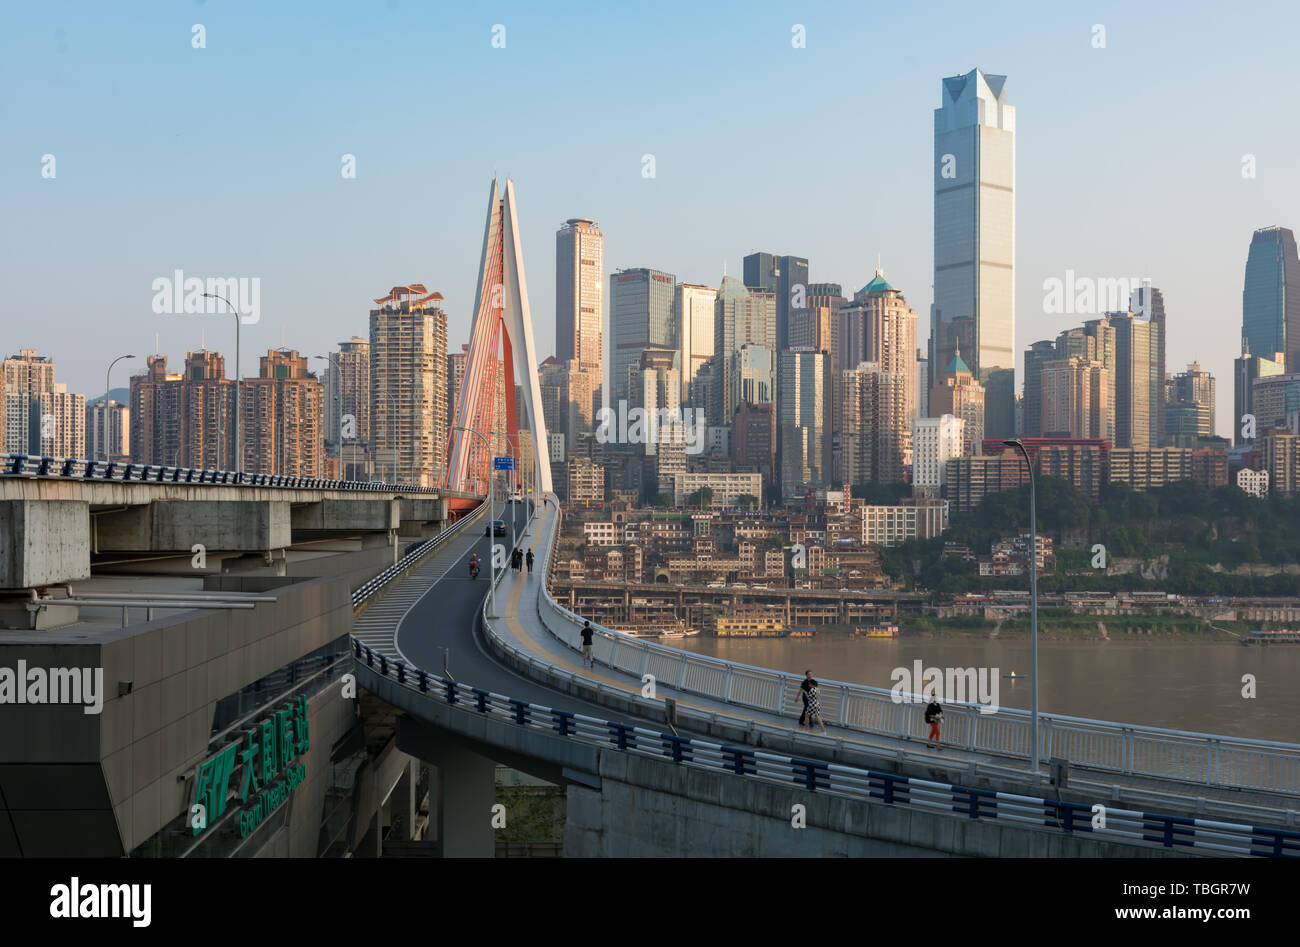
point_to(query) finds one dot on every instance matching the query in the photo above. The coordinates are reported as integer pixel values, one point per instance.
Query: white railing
(1204, 758)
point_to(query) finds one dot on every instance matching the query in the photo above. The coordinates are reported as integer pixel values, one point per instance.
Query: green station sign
(263, 764)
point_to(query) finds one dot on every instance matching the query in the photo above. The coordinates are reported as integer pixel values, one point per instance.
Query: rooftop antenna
(155, 344)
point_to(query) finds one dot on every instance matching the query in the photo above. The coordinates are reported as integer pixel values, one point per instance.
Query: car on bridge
(496, 527)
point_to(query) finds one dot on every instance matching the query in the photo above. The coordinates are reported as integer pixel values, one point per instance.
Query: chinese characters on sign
(264, 765)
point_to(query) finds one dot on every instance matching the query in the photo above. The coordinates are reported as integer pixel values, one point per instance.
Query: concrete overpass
(62, 516)
(684, 773)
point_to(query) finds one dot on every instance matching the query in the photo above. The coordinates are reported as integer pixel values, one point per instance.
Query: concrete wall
(647, 807)
(43, 543)
(82, 784)
(176, 525)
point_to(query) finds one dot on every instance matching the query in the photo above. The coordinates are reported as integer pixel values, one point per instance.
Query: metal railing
(1204, 758)
(1218, 836)
(412, 558)
(945, 799)
(30, 465)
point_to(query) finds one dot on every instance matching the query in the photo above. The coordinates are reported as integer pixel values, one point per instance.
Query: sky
(226, 160)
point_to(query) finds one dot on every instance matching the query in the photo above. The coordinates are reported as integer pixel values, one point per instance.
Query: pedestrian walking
(814, 704)
(804, 686)
(516, 559)
(587, 659)
(529, 560)
(933, 715)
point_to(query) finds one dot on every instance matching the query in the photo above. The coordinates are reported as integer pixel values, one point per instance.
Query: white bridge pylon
(500, 302)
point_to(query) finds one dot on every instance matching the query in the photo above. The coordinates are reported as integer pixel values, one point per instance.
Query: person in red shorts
(933, 714)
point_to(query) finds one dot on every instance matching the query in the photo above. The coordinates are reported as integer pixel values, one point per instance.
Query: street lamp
(104, 413)
(239, 460)
(492, 567)
(1033, 605)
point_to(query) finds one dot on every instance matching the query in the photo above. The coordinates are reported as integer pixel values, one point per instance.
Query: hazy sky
(225, 160)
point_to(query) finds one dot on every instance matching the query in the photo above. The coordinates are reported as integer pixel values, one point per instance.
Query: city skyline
(293, 188)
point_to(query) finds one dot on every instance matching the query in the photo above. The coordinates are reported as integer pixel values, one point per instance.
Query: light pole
(239, 460)
(1033, 606)
(107, 387)
(492, 568)
(509, 491)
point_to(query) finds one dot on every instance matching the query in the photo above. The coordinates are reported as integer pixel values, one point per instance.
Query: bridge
(314, 659)
(713, 765)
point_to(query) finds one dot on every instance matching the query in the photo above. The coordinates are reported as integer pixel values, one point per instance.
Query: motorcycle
(473, 570)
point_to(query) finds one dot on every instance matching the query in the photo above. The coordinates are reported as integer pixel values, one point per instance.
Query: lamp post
(239, 459)
(1033, 606)
(509, 491)
(107, 387)
(492, 569)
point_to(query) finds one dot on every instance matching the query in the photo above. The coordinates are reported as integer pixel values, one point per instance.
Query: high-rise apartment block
(280, 418)
(408, 384)
(935, 441)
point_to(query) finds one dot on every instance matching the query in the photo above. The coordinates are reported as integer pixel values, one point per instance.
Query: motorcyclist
(473, 566)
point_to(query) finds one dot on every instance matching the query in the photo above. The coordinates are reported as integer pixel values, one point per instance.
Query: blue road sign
(503, 463)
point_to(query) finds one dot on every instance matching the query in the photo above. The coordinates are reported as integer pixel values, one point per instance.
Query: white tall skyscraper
(693, 307)
(975, 239)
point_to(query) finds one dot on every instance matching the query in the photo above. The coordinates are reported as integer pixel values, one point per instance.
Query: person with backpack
(933, 715)
(588, 660)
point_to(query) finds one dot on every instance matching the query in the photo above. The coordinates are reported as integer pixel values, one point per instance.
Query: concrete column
(402, 804)
(45, 542)
(466, 793)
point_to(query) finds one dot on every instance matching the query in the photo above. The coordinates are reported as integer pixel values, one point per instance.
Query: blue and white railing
(1204, 758)
(948, 799)
(32, 466)
(412, 558)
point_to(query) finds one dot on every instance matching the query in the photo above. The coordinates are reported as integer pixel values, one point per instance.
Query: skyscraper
(27, 378)
(579, 307)
(779, 275)
(1245, 371)
(935, 441)
(280, 418)
(742, 317)
(805, 420)
(876, 437)
(1270, 300)
(957, 392)
(693, 312)
(975, 240)
(1151, 302)
(408, 385)
(640, 317)
(347, 407)
(1134, 390)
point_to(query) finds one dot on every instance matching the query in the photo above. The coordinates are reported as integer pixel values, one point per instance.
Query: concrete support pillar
(372, 843)
(43, 542)
(466, 789)
(401, 804)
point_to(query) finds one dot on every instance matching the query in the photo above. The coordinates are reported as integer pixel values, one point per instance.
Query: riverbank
(1058, 626)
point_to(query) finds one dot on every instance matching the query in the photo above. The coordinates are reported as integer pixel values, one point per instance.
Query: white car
(517, 496)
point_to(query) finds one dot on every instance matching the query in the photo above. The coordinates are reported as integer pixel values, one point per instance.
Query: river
(1177, 685)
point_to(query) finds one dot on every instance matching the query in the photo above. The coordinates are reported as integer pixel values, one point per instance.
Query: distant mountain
(120, 395)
